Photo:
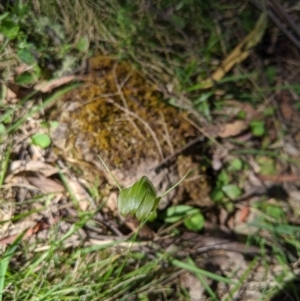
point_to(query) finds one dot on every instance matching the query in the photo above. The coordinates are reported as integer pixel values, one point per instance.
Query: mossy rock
(117, 115)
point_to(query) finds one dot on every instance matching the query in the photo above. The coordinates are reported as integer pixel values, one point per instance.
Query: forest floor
(230, 72)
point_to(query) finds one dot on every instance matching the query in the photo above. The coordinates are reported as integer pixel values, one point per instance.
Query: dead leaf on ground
(7, 95)
(18, 166)
(22, 68)
(29, 232)
(279, 178)
(112, 202)
(192, 283)
(234, 107)
(233, 128)
(46, 87)
(145, 232)
(45, 184)
(83, 198)
(218, 157)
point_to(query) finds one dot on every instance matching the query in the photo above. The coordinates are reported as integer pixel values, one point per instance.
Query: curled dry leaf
(280, 178)
(52, 84)
(112, 202)
(234, 107)
(218, 157)
(45, 184)
(7, 95)
(18, 166)
(29, 232)
(83, 198)
(145, 232)
(192, 283)
(233, 128)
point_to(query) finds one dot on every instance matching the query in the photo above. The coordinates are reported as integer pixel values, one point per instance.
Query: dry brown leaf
(18, 166)
(21, 69)
(239, 53)
(279, 178)
(233, 128)
(83, 198)
(145, 232)
(45, 184)
(193, 285)
(49, 86)
(112, 202)
(7, 95)
(29, 232)
(218, 158)
(234, 107)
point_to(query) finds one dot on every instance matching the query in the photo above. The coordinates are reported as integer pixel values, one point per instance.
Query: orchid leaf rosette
(141, 198)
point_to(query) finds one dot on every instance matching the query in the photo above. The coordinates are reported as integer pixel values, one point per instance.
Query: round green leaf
(195, 222)
(83, 44)
(41, 140)
(176, 213)
(275, 211)
(232, 191)
(26, 78)
(257, 128)
(4, 15)
(235, 165)
(9, 29)
(267, 165)
(26, 57)
(217, 194)
(54, 124)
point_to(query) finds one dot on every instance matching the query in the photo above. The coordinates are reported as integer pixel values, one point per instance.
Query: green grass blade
(36, 109)
(5, 261)
(191, 268)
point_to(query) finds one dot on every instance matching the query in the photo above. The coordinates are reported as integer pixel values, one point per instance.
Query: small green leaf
(276, 212)
(176, 213)
(9, 29)
(3, 16)
(257, 128)
(26, 78)
(195, 222)
(267, 165)
(223, 178)
(83, 44)
(8, 120)
(2, 129)
(232, 191)
(217, 194)
(235, 165)
(271, 74)
(242, 115)
(26, 57)
(41, 140)
(229, 206)
(54, 124)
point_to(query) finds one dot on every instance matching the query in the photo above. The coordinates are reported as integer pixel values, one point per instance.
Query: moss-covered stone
(116, 114)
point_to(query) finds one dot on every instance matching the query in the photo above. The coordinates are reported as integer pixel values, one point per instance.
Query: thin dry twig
(121, 94)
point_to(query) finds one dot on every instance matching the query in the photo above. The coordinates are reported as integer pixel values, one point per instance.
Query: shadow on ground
(290, 292)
